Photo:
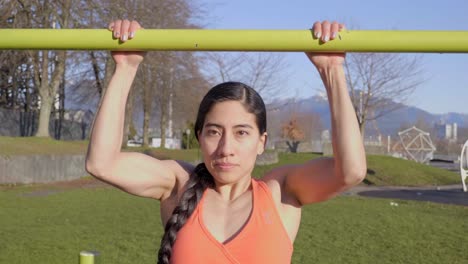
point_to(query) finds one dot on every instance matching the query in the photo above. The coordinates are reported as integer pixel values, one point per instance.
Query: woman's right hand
(125, 30)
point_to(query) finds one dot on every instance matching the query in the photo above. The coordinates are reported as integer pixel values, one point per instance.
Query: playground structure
(237, 40)
(416, 142)
(464, 165)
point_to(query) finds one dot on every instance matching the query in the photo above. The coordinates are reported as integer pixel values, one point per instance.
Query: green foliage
(132, 131)
(189, 140)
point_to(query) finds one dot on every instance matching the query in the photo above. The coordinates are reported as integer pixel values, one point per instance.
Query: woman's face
(230, 142)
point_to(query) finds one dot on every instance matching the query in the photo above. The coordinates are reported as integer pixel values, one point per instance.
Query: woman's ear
(200, 142)
(262, 143)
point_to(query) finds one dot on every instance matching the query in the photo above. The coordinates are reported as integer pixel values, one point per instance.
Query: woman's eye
(212, 132)
(243, 133)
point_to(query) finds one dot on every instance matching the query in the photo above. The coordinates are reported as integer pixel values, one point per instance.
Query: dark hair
(200, 179)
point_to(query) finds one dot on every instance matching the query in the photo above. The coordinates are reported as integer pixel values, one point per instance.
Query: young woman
(215, 212)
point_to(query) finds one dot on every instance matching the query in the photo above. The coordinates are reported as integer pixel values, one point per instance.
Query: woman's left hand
(326, 31)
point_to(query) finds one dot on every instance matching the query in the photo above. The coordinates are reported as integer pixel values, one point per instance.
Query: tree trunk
(164, 109)
(44, 116)
(147, 99)
(146, 120)
(362, 128)
(48, 88)
(47, 91)
(163, 123)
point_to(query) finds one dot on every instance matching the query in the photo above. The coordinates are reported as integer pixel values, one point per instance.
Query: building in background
(446, 131)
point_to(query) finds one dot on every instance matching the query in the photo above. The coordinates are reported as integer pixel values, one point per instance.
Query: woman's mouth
(224, 165)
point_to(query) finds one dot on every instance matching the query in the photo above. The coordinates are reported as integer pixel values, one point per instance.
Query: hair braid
(197, 184)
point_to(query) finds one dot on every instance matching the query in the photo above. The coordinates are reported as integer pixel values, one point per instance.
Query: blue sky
(446, 89)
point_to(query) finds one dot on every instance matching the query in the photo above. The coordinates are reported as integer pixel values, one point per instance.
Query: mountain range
(388, 124)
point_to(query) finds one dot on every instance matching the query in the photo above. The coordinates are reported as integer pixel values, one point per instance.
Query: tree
(41, 71)
(165, 75)
(293, 133)
(49, 66)
(380, 83)
(32, 80)
(265, 72)
(17, 91)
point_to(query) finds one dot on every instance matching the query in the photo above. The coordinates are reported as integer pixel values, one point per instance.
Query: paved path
(450, 194)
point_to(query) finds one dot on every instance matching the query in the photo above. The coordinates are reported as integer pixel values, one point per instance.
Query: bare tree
(41, 72)
(265, 72)
(380, 83)
(48, 66)
(164, 72)
(17, 91)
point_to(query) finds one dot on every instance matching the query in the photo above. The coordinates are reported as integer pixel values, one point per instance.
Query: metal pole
(89, 257)
(237, 40)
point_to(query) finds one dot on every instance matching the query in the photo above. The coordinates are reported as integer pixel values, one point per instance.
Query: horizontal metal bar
(236, 40)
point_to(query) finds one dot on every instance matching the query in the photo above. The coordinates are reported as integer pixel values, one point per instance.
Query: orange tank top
(262, 240)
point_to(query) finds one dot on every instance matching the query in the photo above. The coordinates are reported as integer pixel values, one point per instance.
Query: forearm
(106, 136)
(348, 148)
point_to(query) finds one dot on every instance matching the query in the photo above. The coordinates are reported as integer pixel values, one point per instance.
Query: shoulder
(182, 171)
(276, 181)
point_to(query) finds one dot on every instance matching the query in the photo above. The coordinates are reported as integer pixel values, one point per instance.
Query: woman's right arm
(134, 173)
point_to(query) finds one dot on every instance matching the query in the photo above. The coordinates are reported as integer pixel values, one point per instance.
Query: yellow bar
(236, 40)
(89, 257)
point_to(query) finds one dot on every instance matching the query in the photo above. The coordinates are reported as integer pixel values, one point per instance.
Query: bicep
(142, 175)
(314, 181)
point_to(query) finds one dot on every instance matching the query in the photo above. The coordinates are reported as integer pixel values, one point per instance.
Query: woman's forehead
(230, 113)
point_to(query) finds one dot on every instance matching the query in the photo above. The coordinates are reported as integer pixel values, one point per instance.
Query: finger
(134, 26)
(124, 30)
(117, 30)
(326, 31)
(341, 26)
(111, 26)
(317, 29)
(334, 30)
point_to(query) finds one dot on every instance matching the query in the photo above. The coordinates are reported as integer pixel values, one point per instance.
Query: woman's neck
(231, 191)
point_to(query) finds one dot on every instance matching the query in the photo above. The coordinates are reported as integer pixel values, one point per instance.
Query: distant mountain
(388, 124)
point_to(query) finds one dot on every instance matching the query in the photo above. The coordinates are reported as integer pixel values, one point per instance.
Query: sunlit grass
(41, 226)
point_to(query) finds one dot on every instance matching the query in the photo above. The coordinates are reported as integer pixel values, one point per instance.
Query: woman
(215, 212)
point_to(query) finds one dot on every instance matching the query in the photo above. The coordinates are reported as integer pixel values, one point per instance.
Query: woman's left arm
(320, 179)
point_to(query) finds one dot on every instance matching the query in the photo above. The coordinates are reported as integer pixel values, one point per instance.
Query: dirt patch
(44, 189)
(80, 183)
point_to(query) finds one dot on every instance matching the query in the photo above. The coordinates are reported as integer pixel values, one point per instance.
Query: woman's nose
(225, 146)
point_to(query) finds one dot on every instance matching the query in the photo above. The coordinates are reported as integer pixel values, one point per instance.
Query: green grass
(43, 224)
(398, 172)
(35, 146)
(41, 227)
(284, 159)
(190, 155)
(383, 171)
